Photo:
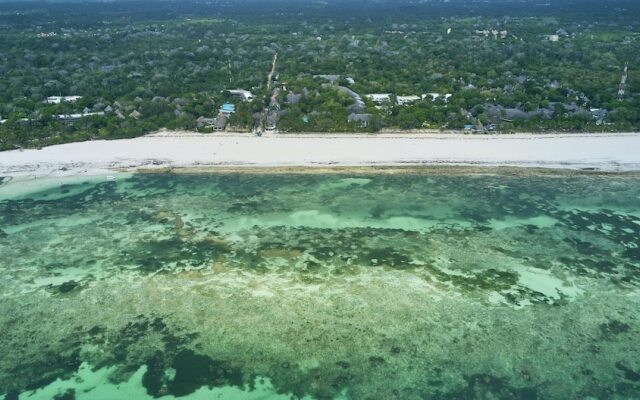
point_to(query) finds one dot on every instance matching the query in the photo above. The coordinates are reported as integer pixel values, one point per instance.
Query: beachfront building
(62, 99)
(598, 115)
(380, 98)
(203, 121)
(271, 122)
(402, 100)
(219, 123)
(363, 119)
(245, 95)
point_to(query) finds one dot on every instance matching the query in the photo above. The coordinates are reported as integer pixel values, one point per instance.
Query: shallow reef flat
(340, 284)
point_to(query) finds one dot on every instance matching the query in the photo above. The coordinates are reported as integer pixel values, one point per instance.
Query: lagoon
(356, 284)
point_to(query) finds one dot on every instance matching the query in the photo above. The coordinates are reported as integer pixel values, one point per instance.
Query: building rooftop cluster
(218, 123)
(62, 99)
(494, 32)
(70, 117)
(402, 100)
(65, 117)
(383, 98)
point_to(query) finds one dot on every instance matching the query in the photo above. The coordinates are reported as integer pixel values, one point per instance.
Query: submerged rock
(69, 394)
(192, 371)
(613, 328)
(65, 287)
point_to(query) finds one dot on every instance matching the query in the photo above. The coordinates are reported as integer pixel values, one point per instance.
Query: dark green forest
(141, 66)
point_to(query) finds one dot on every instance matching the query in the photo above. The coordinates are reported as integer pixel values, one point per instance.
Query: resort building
(434, 96)
(219, 123)
(271, 122)
(380, 98)
(363, 119)
(76, 116)
(402, 100)
(245, 95)
(62, 99)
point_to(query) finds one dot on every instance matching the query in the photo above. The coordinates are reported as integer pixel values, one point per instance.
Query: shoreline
(616, 152)
(399, 134)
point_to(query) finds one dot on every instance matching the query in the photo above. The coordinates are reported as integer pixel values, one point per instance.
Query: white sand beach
(606, 152)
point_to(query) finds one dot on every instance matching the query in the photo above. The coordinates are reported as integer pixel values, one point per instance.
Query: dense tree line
(165, 67)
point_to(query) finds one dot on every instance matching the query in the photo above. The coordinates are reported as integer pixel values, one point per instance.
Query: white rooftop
(379, 97)
(60, 99)
(407, 99)
(245, 94)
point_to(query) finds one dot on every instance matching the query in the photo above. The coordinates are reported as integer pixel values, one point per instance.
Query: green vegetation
(166, 67)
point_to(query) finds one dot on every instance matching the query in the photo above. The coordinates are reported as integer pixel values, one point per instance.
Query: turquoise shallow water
(354, 285)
